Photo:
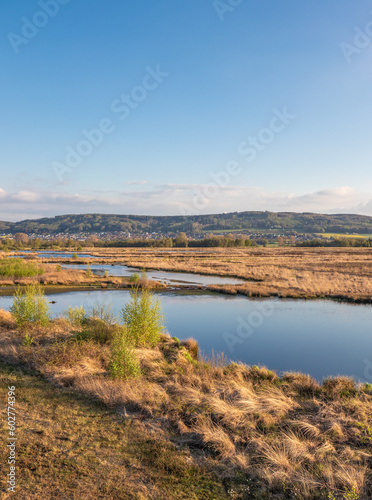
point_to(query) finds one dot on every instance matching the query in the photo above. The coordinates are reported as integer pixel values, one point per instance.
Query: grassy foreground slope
(69, 446)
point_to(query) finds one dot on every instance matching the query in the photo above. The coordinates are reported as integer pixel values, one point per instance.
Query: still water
(317, 337)
(164, 276)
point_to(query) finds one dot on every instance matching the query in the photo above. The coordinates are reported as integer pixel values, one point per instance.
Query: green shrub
(144, 318)
(123, 363)
(367, 387)
(18, 268)
(88, 272)
(27, 340)
(30, 306)
(75, 256)
(189, 358)
(76, 315)
(177, 341)
(59, 268)
(134, 278)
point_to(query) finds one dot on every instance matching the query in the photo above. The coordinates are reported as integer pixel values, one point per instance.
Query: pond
(168, 277)
(321, 338)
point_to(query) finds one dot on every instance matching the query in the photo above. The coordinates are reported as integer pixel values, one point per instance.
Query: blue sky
(227, 69)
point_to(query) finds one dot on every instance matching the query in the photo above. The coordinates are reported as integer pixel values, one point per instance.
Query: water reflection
(317, 337)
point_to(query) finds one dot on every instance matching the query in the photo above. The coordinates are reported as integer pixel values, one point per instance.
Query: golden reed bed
(284, 272)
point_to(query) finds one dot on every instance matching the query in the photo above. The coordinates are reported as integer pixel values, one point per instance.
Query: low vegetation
(73, 447)
(30, 306)
(338, 242)
(19, 268)
(261, 435)
(143, 318)
(335, 273)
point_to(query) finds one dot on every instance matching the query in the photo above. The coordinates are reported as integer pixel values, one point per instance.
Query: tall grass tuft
(123, 363)
(104, 312)
(30, 306)
(100, 326)
(144, 319)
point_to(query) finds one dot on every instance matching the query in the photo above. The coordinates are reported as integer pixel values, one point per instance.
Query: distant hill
(4, 226)
(282, 222)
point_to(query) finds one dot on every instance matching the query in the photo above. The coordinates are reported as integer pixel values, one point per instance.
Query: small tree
(181, 240)
(76, 315)
(144, 318)
(21, 238)
(30, 306)
(123, 362)
(89, 272)
(134, 279)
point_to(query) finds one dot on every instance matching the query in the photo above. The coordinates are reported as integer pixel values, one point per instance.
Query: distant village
(259, 237)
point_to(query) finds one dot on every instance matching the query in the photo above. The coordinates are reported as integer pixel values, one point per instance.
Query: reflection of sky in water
(317, 337)
(167, 276)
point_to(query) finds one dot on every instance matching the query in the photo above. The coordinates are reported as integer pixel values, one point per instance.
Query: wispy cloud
(136, 183)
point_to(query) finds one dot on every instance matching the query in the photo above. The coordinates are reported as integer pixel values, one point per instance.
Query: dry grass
(339, 273)
(260, 433)
(284, 272)
(70, 447)
(7, 322)
(75, 277)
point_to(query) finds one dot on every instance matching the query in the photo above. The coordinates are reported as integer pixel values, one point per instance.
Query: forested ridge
(284, 222)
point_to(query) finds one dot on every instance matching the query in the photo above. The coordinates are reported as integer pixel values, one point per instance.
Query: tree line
(22, 241)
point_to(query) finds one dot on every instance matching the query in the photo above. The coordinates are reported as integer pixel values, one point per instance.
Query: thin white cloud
(136, 183)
